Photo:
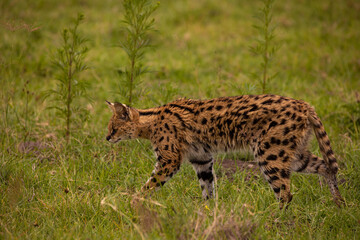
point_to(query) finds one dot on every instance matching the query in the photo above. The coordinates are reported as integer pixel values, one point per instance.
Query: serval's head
(122, 125)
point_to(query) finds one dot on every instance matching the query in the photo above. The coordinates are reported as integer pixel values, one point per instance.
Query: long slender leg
(274, 161)
(306, 162)
(205, 172)
(168, 164)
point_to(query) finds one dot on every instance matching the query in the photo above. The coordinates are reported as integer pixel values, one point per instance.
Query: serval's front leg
(205, 171)
(168, 163)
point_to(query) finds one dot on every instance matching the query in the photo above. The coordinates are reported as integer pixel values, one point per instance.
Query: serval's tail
(328, 155)
(324, 142)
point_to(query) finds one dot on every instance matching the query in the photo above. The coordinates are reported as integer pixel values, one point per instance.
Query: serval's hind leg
(275, 165)
(306, 162)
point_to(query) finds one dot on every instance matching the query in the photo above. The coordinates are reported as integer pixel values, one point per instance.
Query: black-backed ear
(121, 111)
(111, 105)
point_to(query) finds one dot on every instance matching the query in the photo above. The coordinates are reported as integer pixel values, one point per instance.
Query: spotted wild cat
(275, 128)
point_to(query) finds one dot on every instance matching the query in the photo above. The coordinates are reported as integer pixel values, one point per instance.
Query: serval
(276, 129)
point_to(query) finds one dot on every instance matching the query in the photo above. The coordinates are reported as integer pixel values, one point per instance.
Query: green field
(90, 189)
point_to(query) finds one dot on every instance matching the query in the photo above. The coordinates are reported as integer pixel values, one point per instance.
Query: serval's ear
(121, 111)
(111, 105)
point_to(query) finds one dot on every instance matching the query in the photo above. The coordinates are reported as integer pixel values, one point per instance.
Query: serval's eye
(113, 132)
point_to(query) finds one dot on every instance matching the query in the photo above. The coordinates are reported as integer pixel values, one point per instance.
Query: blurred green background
(88, 189)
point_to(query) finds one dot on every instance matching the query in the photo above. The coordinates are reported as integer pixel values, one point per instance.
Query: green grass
(90, 189)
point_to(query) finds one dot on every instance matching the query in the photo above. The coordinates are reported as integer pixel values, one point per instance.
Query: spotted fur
(275, 128)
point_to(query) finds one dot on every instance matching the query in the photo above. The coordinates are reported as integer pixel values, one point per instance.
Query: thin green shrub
(69, 63)
(137, 25)
(265, 47)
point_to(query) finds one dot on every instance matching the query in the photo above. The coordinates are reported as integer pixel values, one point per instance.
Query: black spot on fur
(271, 157)
(329, 152)
(286, 131)
(282, 153)
(273, 178)
(209, 108)
(284, 173)
(322, 134)
(292, 139)
(254, 108)
(264, 163)
(303, 167)
(206, 176)
(260, 152)
(267, 102)
(272, 124)
(285, 142)
(283, 121)
(167, 111)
